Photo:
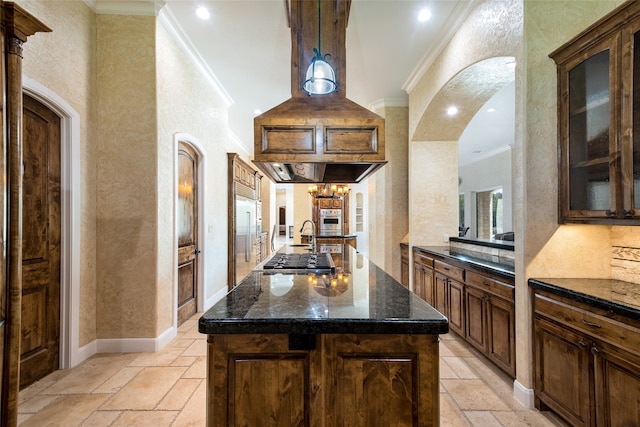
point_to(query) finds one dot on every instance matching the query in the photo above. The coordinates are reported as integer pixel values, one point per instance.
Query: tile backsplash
(625, 263)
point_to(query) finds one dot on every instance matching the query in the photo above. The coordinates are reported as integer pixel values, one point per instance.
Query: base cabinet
(480, 306)
(322, 380)
(586, 365)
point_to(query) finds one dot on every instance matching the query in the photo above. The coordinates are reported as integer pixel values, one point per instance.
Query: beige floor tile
(473, 395)
(499, 381)
(445, 370)
(460, 367)
(161, 358)
(145, 419)
(450, 414)
(530, 418)
(184, 361)
(66, 411)
(198, 348)
(194, 413)
(455, 348)
(36, 388)
(482, 418)
(146, 390)
(101, 419)
(198, 369)
(180, 343)
(90, 374)
(37, 403)
(179, 395)
(119, 380)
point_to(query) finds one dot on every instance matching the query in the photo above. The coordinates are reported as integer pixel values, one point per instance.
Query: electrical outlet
(445, 238)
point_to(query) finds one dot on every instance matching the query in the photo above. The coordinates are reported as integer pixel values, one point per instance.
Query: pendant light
(320, 78)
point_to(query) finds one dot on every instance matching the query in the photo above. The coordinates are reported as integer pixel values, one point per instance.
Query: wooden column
(17, 25)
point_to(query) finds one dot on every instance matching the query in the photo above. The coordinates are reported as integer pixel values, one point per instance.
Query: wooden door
(475, 329)
(41, 223)
(501, 316)
(456, 306)
(187, 233)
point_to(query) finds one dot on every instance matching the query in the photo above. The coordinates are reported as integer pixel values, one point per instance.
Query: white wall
(488, 173)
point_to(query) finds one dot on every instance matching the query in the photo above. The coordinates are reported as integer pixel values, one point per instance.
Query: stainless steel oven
(330, 222)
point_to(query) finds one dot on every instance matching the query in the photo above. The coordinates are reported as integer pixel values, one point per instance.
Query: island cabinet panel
(586, 362)
(382, 380)
(329, 380)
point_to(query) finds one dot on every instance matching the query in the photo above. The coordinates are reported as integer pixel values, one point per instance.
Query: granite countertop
(481, 261)
(614, 296)
(363, 299)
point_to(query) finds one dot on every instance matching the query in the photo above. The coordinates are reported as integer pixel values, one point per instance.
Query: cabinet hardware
(595, 351)
(485, 283)
(610, 213)
(593, 325)
(582, 344)
(630, 212)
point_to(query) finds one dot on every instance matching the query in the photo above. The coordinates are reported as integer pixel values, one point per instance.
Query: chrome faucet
(314, 249)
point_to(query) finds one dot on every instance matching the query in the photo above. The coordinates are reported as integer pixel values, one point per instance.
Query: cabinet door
(427, 285)
(563, 380)
(475, 330)
(456, 306)
(440, 294)
(589, 114)
(501, 346)
(631, 140)
(617, 385)
(418, 280)
(254, 378)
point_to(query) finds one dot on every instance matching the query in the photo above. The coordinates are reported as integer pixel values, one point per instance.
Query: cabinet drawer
(619, 334)
(456, 273)
(489, 284)
(422, 259)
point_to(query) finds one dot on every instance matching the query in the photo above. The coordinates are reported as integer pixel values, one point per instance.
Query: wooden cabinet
(480, 306)
(599, 133)
(490, 319)
(449, 294)
(317, 380)
(586, 362)
(404, 264)
(423, 279)
(329, 203)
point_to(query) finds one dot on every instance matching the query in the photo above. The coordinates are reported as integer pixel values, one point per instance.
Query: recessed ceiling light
(491, 110)
(202, 12)
(424, 15)
(452, 111)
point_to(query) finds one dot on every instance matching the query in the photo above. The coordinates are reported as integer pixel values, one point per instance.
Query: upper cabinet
(598, 130)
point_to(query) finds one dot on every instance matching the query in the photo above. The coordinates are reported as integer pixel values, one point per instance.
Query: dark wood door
(187, 233)
(41, 223)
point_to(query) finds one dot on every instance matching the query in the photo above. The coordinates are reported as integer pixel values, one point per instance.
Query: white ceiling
(247, 46)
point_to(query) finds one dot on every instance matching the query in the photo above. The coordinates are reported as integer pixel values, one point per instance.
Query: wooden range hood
(318, 138)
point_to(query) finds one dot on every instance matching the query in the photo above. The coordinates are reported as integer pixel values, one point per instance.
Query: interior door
(39, 352)
(187, 233)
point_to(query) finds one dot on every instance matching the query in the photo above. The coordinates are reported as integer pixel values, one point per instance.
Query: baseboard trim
(210, 302)
(523, 395)
(125, 345)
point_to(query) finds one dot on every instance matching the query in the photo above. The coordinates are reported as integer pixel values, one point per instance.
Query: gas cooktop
(315, 263)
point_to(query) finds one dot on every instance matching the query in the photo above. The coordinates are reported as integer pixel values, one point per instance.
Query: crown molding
(388, 102)
(126, 7)
(453, 24)
(169, 21)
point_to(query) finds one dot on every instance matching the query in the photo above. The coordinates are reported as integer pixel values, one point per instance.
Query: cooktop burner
(310, 262)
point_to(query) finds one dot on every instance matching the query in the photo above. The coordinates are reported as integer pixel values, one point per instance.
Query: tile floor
(168, 389)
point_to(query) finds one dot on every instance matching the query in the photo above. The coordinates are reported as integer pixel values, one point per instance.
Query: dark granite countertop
(480, 261)
(362, 299)
(614, 296)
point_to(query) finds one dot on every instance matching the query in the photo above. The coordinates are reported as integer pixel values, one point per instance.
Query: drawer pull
(593, 325)
(595, 351)
(581, 344)
(485, 283)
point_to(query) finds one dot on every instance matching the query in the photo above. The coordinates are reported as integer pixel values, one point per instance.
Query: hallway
(168, 388)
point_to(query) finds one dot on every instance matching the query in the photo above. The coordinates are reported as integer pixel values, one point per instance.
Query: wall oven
(330, 222)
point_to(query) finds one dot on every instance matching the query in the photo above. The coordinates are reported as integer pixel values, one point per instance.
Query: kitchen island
(353, 347)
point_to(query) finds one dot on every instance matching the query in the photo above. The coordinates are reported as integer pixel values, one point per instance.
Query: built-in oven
(330, 222)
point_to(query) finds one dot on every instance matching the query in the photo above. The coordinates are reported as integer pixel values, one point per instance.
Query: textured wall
(127, 196)
(188, 103)
(64, 61)
(389, 203)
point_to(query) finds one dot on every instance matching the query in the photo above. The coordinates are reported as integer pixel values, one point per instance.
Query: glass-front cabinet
(598, 128)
